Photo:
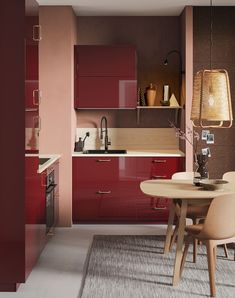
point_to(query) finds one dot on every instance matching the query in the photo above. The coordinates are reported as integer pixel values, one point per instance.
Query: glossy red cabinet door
(35, 227)
(107, 189)
(154, 208)
(32, 93)
(106, 92)
(102, 189)
(105, 77)
(106, 60)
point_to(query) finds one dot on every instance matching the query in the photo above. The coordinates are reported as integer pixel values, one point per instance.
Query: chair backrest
(185, 175)
(220, 219)
(229, 176)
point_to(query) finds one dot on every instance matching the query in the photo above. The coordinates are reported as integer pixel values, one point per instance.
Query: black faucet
(106, 140)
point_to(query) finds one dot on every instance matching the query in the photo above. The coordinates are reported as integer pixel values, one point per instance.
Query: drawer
(158, 167)
(95, 169)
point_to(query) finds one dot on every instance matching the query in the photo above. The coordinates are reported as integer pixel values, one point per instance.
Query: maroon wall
(12, 142)
(223, 56)
(153, 37)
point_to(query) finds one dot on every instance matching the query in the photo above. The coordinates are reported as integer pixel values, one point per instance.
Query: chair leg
(186, 247)
(195, 242)
(211, 266)
(226, 251)
(215, 256)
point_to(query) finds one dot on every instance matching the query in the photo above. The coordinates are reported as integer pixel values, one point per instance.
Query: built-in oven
(50, 200)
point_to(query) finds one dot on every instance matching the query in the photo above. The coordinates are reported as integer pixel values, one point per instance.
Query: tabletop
(181, 189)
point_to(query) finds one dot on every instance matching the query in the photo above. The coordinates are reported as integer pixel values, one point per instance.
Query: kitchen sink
(42, 160)
(105, 151)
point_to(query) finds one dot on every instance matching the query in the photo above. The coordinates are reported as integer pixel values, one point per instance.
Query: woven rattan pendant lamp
(211, 105)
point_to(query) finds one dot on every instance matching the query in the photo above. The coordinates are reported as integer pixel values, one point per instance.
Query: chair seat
(194, 229)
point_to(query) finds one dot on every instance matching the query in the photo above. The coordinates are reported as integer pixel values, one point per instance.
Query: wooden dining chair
(214, 231)
(194, 212)
(230, 177)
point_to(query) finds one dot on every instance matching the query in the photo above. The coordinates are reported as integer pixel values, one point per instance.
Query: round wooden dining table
(187, 193)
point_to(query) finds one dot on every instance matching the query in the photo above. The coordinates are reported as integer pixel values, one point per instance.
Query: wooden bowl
(213, 184)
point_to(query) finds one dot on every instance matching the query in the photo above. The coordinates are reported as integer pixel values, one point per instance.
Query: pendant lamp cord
(211, 30)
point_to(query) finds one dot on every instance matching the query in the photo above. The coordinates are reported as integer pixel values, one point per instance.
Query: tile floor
(59, 271)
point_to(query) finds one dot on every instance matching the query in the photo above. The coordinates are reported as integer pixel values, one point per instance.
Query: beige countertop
(52, 158)
(138, 153)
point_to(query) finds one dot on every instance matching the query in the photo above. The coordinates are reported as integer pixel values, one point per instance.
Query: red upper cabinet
(106, 61)
(105, 77)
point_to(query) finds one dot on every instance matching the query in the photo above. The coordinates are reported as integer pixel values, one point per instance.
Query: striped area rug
(135, 267)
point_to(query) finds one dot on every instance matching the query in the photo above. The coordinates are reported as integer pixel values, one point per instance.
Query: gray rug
(134, 266)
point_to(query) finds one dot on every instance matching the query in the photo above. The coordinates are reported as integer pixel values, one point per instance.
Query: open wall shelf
(139, 108)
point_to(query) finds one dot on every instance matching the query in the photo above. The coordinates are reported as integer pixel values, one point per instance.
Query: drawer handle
(159, 208)
(159, 161)
(103, 160)
(101, 192)
(159, 177)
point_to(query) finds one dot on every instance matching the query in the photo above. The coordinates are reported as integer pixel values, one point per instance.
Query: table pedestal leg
(180, 240)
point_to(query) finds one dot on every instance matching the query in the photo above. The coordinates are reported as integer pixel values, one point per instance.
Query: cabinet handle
(159, 161)
(103, 160)
(159, 177)
(38, 101)
(37, 32)
(37, 123)
(100, 192)
(159, 208)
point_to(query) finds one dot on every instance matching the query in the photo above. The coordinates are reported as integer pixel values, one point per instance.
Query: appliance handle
(51, 188)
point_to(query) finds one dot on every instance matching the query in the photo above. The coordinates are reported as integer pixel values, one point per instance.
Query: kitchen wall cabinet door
(106, 92)
(105, 77)
(106, 60)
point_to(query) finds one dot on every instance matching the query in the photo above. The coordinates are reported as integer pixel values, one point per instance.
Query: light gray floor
(58, 273)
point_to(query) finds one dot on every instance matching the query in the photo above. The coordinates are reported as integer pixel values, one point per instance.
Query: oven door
(50, 207)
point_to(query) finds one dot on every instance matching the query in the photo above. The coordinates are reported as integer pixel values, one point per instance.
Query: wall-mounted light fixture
(180, 67)
(211, 105)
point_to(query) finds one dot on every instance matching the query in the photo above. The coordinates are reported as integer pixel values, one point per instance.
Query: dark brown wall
(12, 208)
(223, 56)
(153, 37)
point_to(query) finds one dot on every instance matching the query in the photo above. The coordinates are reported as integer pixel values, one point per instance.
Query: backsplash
(131, 138)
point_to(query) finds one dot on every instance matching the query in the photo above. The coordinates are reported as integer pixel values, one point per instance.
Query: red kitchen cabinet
(107, 189)
(35, 202)
(154, 208)
(105, 77)
(102, 189)
(32, 93)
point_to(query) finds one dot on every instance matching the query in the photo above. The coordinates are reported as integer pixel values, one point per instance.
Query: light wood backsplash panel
(131, 138)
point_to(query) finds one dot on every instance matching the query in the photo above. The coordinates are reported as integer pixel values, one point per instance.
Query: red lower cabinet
(107, 189)
(35, 201)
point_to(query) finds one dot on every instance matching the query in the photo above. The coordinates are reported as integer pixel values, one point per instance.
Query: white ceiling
(132, 7)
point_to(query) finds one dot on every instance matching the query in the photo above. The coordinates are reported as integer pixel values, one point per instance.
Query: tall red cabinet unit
(18, 175)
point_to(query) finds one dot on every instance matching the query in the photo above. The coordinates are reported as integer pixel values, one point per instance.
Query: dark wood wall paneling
(223, 56)
(153, 37)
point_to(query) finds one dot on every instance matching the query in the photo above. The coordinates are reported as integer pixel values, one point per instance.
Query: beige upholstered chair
(193, 212)
(229, 176)
(214, 231)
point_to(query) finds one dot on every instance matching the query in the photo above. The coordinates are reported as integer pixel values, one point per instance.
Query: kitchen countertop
(43, 167)
(138, 153)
